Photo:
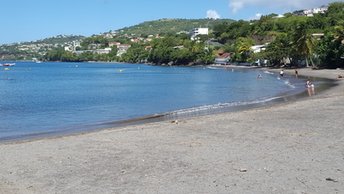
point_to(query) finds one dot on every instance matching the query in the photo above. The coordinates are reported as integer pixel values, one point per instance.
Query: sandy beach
(292, 147)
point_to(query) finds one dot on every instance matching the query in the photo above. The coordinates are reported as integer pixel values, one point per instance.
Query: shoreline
(168, 116)
(162, 116)
(293, 147)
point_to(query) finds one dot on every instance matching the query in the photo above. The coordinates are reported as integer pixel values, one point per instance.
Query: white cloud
(236, 5)
(212, 14)
(258, 15)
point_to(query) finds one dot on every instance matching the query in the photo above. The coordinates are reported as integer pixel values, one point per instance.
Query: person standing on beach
(296, 73)
(281, 73)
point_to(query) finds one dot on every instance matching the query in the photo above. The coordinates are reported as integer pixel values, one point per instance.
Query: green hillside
(60, 39)
(171, 26)
(35, 49)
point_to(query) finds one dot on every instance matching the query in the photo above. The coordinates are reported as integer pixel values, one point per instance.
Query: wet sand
(293, 147)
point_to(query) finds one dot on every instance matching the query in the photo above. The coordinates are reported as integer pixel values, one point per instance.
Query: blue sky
(28, 20)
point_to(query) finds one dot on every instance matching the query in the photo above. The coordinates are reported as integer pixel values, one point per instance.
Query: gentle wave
(212, 67)
(268, 72)
(208, 108)
(287, 82)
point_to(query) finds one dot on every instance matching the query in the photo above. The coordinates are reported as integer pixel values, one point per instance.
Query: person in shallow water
(281, 73)
(310, 88)
(309, 84)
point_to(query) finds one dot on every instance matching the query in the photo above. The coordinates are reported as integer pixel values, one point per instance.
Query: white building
(76, 43)
(258, 48)
(71, 46)
(199, 31)
(310, 12)
(102, 51)
(68, 48)
(96, 51)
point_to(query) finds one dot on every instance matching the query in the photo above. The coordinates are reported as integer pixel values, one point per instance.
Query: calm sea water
(39, 98)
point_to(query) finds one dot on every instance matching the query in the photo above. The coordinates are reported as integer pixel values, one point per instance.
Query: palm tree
(303, 43)
(243, 47)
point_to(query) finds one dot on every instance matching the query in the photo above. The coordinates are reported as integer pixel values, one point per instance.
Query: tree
(335, 13)
(182, 56)
(302, 43)
(113, 54)
(163, 49)
(264, 25)
(243, 48)
(278, 50)
(232, 31)
(135, 54)
(331, 49)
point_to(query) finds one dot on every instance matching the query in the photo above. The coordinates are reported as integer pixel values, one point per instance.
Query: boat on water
(8, 64)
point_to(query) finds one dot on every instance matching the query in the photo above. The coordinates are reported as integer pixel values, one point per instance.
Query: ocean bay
(43, 98)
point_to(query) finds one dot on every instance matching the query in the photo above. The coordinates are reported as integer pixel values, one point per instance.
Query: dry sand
(294, 147)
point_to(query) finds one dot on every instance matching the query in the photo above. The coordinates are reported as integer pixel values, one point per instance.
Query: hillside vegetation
(171, 26)
(60, 39)
(35, 49)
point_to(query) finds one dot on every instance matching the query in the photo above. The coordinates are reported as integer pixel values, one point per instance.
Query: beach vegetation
(291, 41)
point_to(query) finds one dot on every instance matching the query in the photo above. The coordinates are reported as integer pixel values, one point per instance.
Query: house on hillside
(102, 51)
(222, 58)
(107, 35)
(122, 48)
(72, 46)
(111, 44)
(94, 46)
(199, 31)
(310, 12)
(95, 51)
(258, 48)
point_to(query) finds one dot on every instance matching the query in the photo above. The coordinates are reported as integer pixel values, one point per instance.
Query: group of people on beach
(296, 73)
(309, 84)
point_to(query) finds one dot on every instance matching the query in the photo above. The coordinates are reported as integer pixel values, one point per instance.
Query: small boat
(8, 64)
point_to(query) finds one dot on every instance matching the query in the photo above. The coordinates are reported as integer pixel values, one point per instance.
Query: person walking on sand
(281, 73)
